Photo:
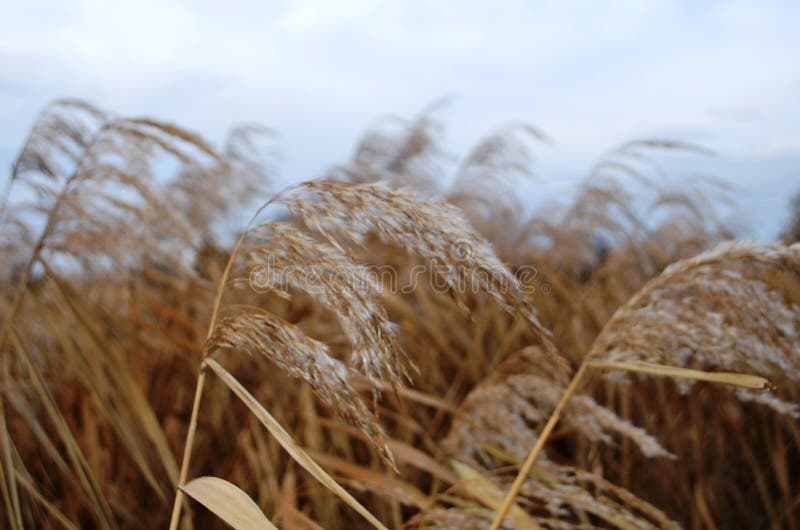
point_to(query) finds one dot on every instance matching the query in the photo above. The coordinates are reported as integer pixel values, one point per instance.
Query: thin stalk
(187, 450)
(198, 393)
(729, 378)
(8, 484)
(537, 448)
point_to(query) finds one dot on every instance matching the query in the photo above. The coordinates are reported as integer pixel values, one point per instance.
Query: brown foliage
(109, 268)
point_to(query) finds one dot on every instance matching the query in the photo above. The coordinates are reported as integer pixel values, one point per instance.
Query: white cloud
(591, 74)
(318, 14)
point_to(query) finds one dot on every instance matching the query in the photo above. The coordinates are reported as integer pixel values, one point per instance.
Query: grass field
(379, 350)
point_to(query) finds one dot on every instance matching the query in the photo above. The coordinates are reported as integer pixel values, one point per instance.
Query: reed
(614, 359)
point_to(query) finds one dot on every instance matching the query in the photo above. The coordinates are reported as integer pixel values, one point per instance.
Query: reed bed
(379, 349)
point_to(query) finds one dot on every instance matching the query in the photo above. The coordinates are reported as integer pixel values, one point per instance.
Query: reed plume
(206, 192)
(262, 334)
(557, 497)
(714, 311)
(286, 257)
(433, 230)
(487, 182)
(504, 416)
(98, 200)
(399, 151)
(791, 232)
(689, 334)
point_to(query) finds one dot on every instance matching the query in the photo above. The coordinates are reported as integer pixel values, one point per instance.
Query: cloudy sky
(591, 74)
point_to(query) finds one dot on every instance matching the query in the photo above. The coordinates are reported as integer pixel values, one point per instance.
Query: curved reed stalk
(198, 392)
(286, 256)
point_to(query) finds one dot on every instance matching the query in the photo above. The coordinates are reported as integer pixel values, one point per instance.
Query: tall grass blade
(94, 494)
(286, 441)
(8, 481)
(753, 382)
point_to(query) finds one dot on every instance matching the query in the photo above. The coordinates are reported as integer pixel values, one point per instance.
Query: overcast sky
(590, 74)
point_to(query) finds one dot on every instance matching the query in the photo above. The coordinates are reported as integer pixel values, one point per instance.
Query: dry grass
(136, 354)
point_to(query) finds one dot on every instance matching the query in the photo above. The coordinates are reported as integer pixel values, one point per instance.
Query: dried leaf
(228, 502)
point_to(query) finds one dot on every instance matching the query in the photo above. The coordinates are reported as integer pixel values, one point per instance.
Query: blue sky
(590, 74)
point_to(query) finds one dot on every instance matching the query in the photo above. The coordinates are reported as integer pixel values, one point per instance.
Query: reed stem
(537, 448)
